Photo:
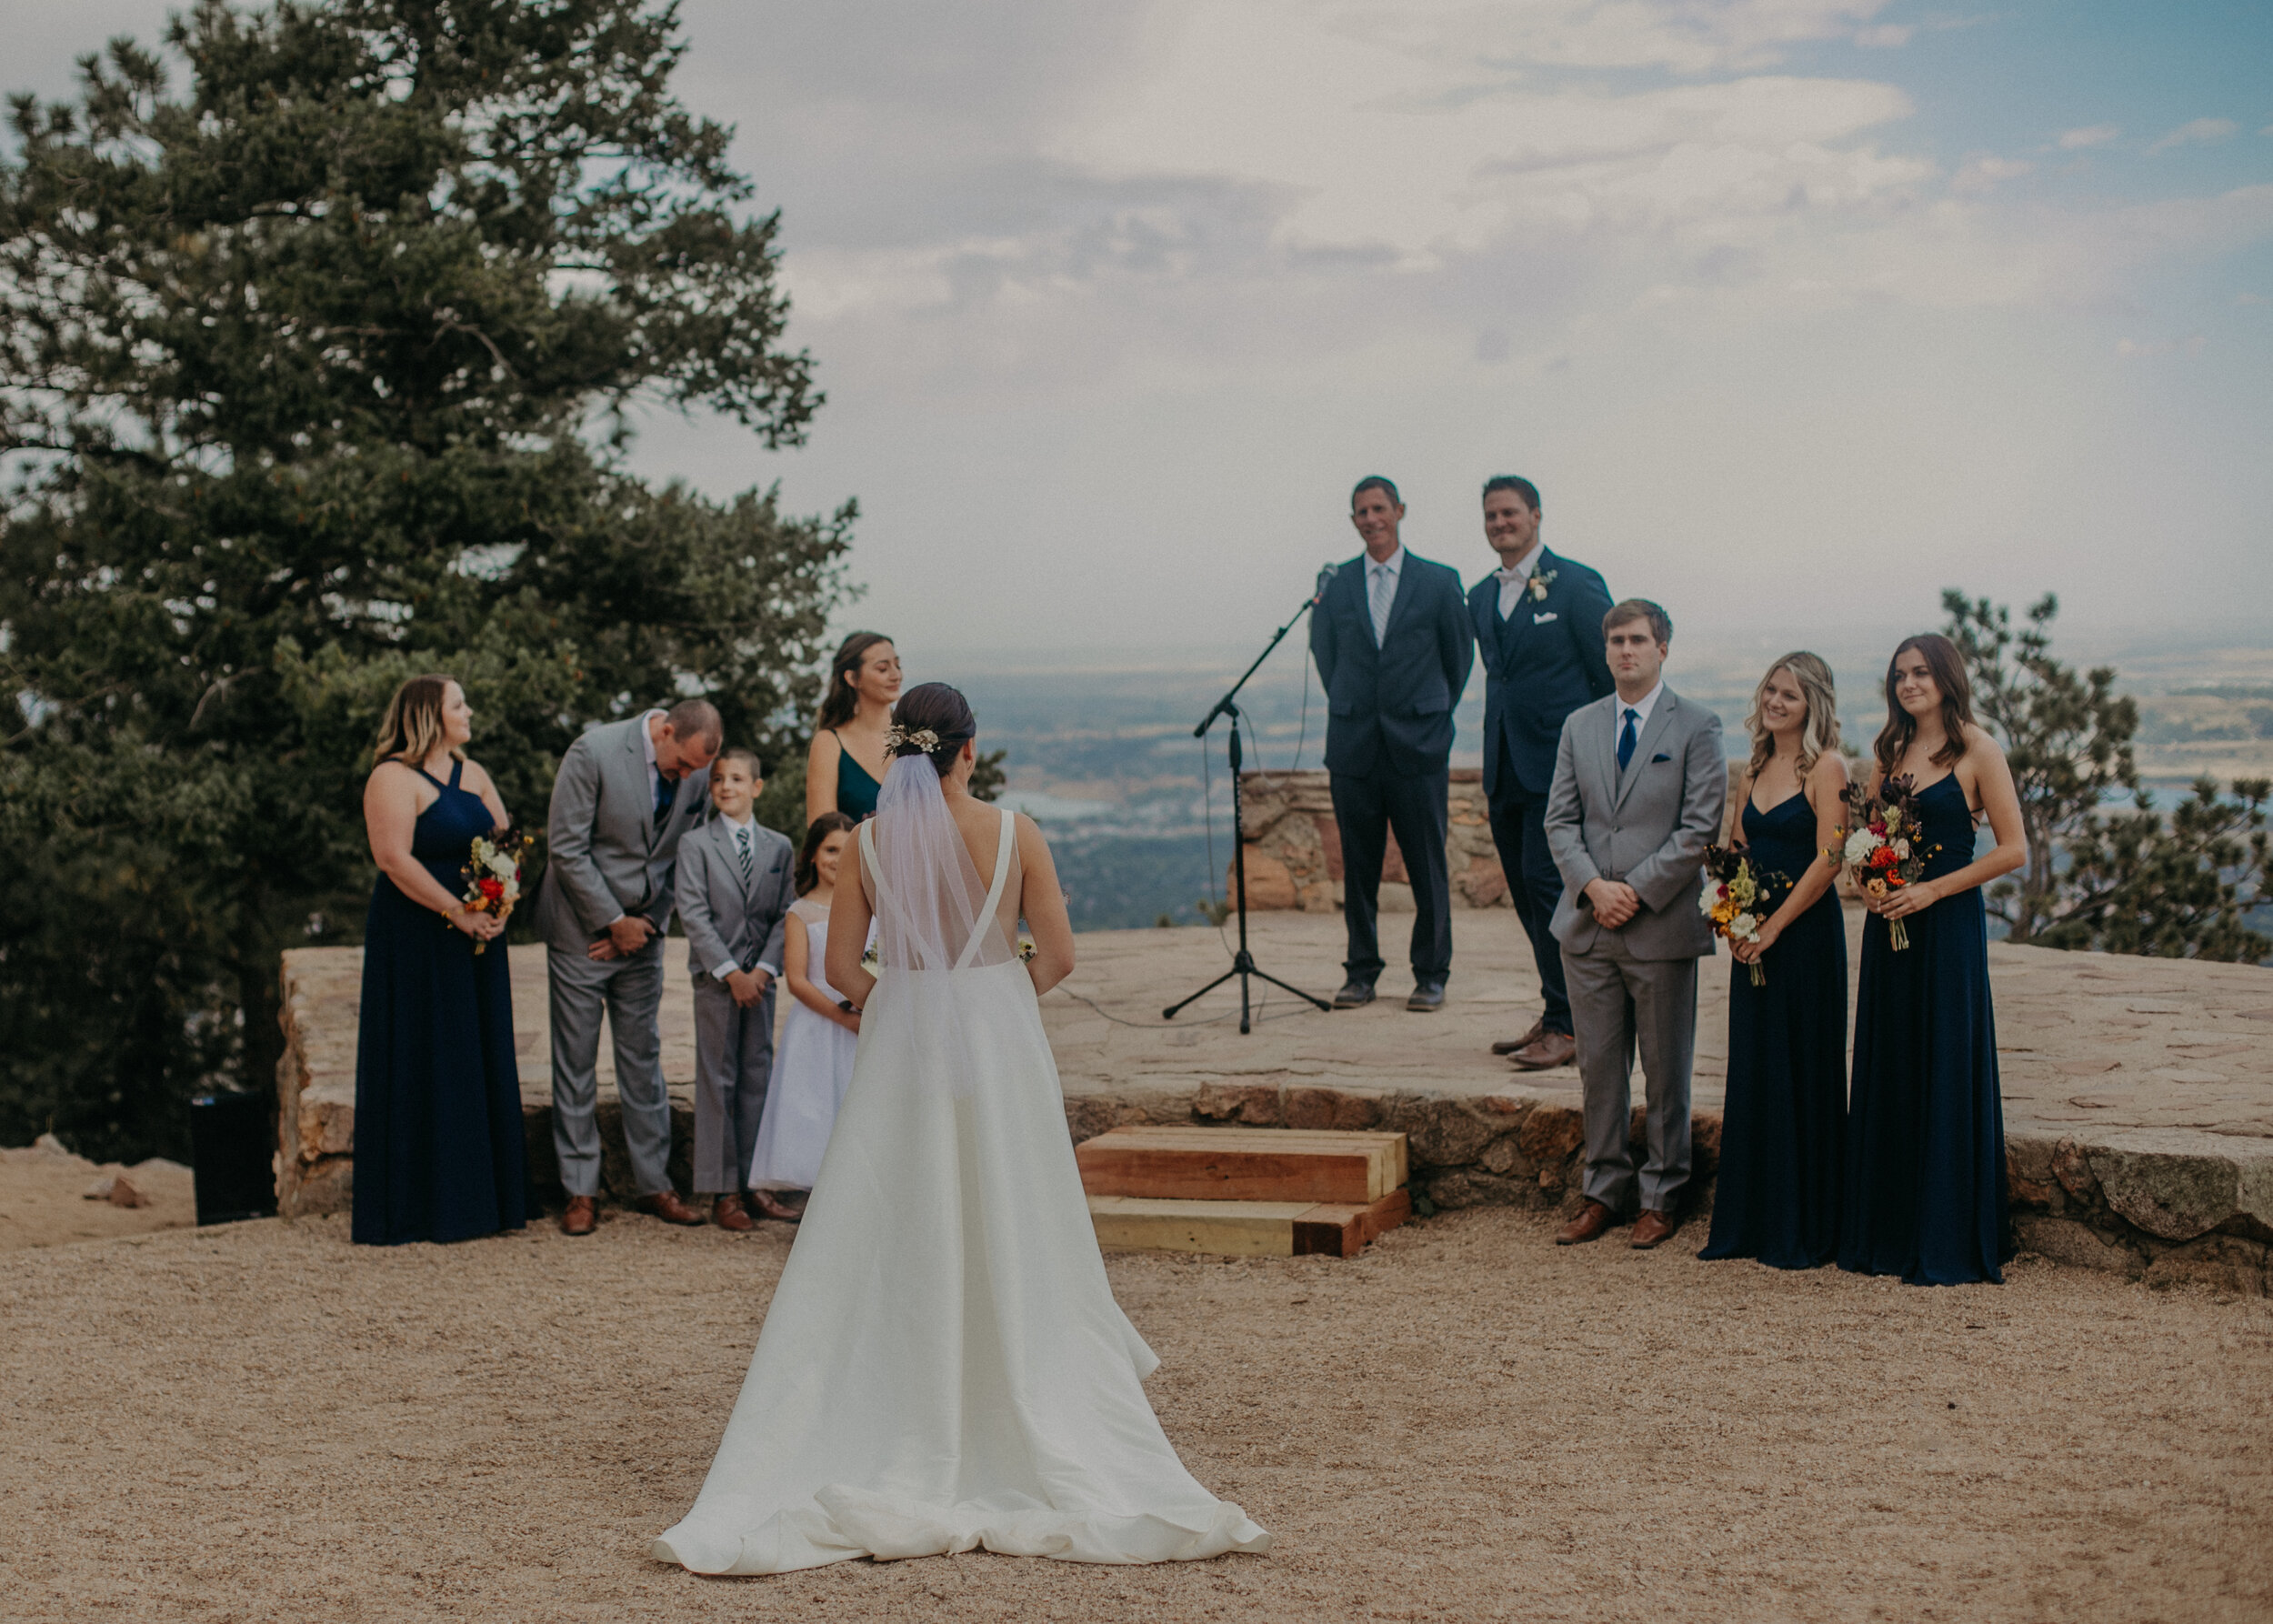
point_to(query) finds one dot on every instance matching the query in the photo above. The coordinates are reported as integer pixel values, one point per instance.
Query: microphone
(1326, 573)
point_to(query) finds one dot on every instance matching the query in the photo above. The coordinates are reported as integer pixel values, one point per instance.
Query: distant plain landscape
(1100, 746)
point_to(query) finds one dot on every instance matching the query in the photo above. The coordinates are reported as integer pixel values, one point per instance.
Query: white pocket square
(1542, 619)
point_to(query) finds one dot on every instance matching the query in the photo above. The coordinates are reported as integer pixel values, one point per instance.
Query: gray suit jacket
(1649, 826)
(606, 856)
(725, 919)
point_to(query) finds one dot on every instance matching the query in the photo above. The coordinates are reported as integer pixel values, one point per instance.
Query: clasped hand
(1904, 901)
(747, 986)
(624, 938)
(1614, 901)
(481, 927)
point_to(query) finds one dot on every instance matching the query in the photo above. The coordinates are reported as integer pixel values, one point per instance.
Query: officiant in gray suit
(1394, 647)
(1638, 789)
(625, 794)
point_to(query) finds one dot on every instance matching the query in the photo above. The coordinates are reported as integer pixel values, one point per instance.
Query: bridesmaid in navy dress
(1781, 1139)
(438, 1148)
(845, 767)
(1926, 1123)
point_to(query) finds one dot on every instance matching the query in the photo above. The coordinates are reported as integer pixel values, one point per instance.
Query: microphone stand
(1243, 962)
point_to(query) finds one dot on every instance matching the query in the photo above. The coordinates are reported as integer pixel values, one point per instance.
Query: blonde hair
(413, 724)
(1820, 736)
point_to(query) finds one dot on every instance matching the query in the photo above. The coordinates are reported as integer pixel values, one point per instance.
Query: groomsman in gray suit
(736, 879)
(625, 794)
(1639, 786)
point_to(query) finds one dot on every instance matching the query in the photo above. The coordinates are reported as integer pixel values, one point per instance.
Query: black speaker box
(232, 1143)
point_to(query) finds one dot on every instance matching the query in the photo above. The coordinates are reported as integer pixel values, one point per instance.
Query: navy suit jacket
(1389, 706)
(1539, 667)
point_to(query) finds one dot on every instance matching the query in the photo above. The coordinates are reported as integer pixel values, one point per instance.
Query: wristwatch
(848, 1007)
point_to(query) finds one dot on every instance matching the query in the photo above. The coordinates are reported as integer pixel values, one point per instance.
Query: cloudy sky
(1796, 310)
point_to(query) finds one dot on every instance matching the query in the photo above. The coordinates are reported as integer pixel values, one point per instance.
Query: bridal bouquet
(1883, 845)
(493, 874)
(1736, 899)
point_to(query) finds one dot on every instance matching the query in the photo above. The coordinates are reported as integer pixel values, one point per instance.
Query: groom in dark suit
(1392, 643)
(1538, 618)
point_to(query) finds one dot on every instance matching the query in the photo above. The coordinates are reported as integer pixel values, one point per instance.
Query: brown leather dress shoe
(582, 1217)
(773, 1206)
(1508, 1046)
(667, 1206)
(727, 1214)
(1593, 1218)
(1546, 1052)
(1654, 1229)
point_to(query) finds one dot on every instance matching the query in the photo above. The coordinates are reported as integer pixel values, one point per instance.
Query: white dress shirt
(1641, 708)
(1380, 599)
(646, 743)
(1512, 581)
(742, 835)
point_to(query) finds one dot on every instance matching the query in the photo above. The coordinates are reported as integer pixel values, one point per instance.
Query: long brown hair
(413, 724)
(1947, 665)
(840, 704)
(1820, 736)
(819, 830)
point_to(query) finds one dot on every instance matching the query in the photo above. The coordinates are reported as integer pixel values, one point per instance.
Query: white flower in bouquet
(504, 865)
(1902, 850)
(1709, 899)
(1860, 845)
(1745, 927)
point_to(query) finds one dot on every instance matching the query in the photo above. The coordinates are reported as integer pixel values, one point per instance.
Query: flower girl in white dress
(943, 1366)
(813, 1062)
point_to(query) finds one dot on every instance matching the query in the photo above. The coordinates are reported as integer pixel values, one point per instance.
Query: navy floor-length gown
(438, 1147)
(1782, 1134)
(1925, 1123)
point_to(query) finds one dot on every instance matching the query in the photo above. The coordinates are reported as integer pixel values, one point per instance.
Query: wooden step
(1245, 1228)
(1243, 1164)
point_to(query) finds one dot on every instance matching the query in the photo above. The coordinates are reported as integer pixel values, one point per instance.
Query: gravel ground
(261, 1423)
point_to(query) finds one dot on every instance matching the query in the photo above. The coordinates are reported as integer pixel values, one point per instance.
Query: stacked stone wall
(2164, 1206)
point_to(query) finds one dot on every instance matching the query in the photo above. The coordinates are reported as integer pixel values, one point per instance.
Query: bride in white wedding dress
(943, 1365)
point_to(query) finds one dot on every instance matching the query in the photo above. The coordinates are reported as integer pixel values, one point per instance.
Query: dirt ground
(43, 1198)
(258, 1422)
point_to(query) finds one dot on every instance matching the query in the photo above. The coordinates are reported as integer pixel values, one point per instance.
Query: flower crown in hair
(899, 740)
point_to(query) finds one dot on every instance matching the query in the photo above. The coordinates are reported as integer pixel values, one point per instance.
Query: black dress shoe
(1353, 994)
(1426, 995)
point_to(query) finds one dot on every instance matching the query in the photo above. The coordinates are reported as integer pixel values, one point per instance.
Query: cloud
(2191, 345)
(1982, 174)
(1055, 252)
(2200, 130)
(1675, 34)
(1887, 36)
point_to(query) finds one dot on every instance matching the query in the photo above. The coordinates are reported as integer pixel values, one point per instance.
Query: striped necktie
(1382, 592)
(742, 853)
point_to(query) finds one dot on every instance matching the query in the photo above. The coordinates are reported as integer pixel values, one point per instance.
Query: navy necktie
(666, 791)
(1626, 737)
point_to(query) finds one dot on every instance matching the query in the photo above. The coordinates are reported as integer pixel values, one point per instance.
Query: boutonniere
(1541, 579)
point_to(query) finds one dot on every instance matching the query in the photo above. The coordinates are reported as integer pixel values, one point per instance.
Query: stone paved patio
(2138, 1093)
(2082, 1038)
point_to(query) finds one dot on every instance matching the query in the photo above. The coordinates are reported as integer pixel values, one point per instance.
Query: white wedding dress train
(943, 1366)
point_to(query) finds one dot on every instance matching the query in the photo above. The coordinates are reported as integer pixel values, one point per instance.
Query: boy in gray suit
(1639, 786)
(735, 883)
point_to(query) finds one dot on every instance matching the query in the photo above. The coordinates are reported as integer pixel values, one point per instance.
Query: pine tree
(2126, 880)
(313, 377)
